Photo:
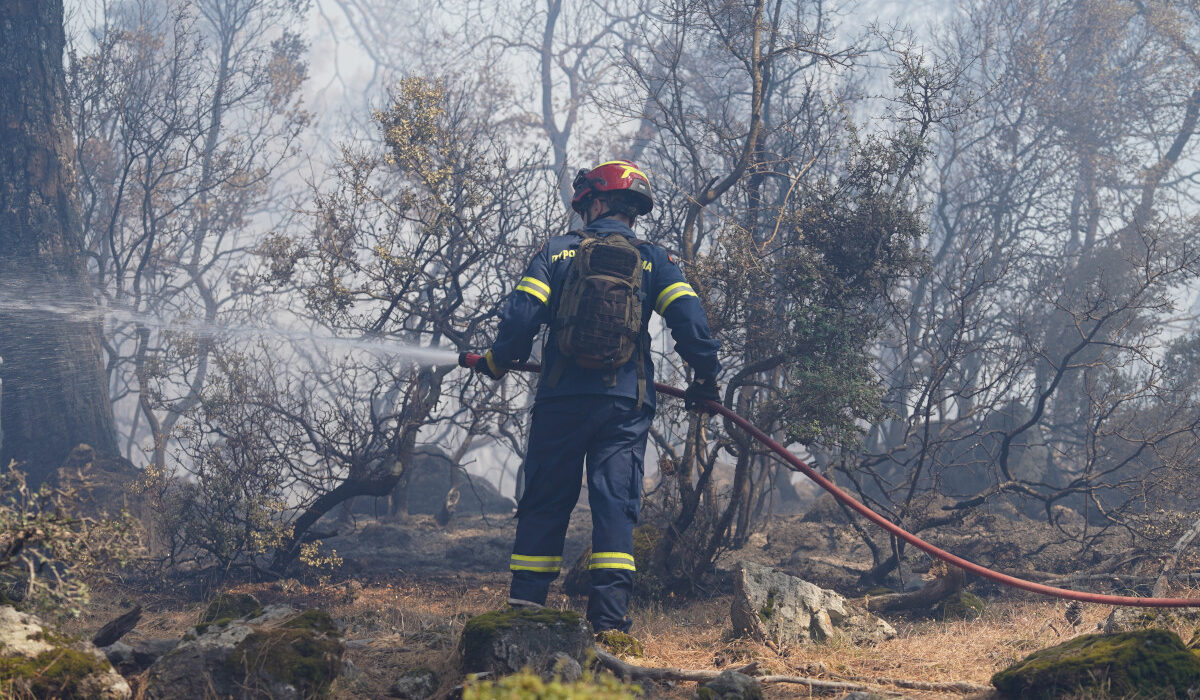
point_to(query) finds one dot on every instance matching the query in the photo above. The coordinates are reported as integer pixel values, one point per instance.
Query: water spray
(798, 465)
(90, 312)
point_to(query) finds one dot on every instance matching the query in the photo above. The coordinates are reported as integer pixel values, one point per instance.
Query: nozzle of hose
(468, 359)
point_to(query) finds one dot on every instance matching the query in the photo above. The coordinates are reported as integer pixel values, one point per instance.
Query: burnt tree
(55, 395)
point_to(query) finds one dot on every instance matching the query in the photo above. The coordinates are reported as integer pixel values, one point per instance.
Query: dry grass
(416, 623)
(397, 622)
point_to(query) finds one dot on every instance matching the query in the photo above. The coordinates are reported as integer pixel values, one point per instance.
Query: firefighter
(595, 399)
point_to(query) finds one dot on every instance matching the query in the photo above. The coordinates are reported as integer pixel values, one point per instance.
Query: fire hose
(796, 464)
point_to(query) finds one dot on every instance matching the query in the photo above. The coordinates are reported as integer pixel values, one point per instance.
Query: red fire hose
(796, 464)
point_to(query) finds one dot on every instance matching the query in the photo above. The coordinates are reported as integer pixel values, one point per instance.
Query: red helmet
(613, 176)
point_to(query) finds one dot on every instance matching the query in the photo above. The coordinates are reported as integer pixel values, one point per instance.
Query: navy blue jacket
(666, 292)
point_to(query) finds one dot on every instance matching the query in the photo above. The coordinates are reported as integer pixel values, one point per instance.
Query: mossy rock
(230, 606)
(64, 673)
(415, 684)
(1146, 662)
(506, 641)
(278, 653)
(646, 586)
(730, 685)
(619, 643)
(963, 605)
(38, 662)
(287, 656)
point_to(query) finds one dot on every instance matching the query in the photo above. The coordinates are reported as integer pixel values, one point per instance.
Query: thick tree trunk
(55, 395)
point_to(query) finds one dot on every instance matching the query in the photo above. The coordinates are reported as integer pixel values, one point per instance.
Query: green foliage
(1145, 662)
(620, 643)
(47, 548)
(225, 506)
(767, 611)
(528, 686)
(855, 240)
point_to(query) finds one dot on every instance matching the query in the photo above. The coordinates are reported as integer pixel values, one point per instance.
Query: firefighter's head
(616, 187)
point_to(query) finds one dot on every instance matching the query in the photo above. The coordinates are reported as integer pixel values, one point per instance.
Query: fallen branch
(114, 630)
(934, 686)
(646, 673)
(643, 673)
(816, 683)
(950, 581)
(874, 683)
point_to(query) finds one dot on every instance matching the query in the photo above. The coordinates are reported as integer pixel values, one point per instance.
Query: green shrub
(529, 686)
(48, 547)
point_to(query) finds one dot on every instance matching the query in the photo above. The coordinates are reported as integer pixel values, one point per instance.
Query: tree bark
(55, 394)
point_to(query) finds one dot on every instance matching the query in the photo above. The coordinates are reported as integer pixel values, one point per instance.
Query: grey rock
(133, 656)
(730, 685)
(769, 605)
(24, 636)
(118, 654)
(429, 482)
(415, 684)
(428, 478)
(21, 634)
(277, 653)
(1127, 619)
(505, 641)
(564, 668)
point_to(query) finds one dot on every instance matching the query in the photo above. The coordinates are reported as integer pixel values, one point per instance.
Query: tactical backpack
(598, 317)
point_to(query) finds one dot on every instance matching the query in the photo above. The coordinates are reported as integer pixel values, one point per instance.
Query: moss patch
(206, 626)
(317, 621)
(227, 607)
(620, 643)
(1147, 662)
(58, 673)
(963, 605)
(767, 611)
(481, 629)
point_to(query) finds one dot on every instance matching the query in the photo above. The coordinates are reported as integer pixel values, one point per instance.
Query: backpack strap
(555, 373)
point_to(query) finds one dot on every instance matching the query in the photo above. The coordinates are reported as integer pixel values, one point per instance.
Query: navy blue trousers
(609, 433)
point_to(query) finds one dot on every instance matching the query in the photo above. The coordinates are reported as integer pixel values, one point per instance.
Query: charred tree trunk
(55, 394)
